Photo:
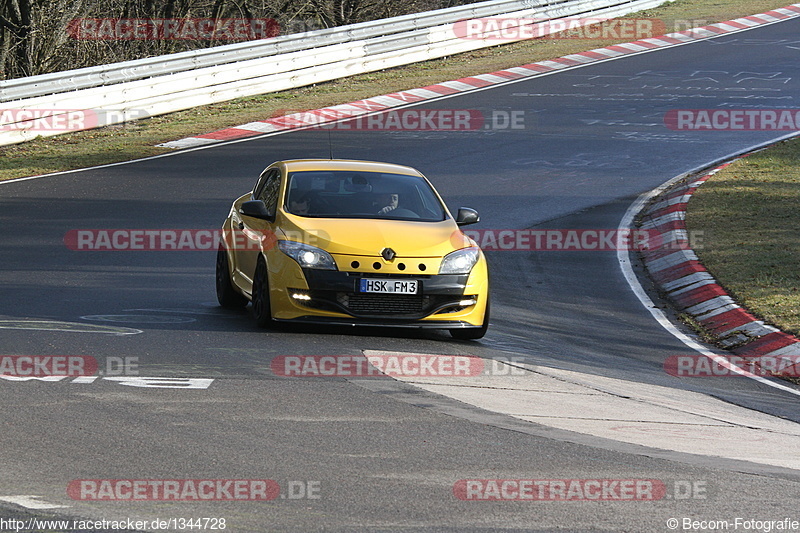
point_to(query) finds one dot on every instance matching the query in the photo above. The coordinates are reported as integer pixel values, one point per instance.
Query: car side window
(269, 189)
(262, 179)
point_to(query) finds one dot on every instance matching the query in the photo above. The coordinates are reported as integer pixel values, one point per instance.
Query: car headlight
(307, 256)
(459, 262)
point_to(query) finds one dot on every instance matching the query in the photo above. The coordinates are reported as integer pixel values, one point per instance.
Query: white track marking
(74, 327)
(31, 502)
(623, 256)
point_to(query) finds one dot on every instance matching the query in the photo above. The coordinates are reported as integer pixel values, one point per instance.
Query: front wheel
(227, 296)
(471, 334)
(262, 311)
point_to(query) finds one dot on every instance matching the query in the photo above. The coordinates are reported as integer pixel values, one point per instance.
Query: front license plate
(388, 286)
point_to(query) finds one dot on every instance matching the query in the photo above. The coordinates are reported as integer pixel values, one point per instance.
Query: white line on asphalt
(31, 502)
(623, 256)
(74, 327)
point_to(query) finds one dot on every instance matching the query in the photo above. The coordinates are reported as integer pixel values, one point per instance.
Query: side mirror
(467, 216)
(257, 209)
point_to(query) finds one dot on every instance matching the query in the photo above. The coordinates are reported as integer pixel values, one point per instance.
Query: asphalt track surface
(384, 459)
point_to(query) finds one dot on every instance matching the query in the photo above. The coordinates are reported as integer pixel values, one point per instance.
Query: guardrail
(111, 94)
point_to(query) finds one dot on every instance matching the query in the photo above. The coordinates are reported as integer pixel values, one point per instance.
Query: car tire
(262, 310)
(227, 296)
(471, 334)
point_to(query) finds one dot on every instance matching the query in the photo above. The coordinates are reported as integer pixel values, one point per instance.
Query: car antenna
(330, 145)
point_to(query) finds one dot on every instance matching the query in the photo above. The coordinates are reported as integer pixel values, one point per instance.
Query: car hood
(367, 237)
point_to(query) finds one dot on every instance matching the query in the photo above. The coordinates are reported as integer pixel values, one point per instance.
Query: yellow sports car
(352, 243)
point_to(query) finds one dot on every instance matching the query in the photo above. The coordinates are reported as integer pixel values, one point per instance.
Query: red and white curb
(387, 101)
(694, 291)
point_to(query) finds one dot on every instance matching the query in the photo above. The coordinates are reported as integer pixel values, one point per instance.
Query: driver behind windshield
(299, 203)
(387, 202)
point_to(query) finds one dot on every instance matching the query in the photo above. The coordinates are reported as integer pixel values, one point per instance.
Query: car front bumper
(331, 297)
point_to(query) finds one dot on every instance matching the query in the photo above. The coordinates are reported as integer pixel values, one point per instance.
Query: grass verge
(750, 216)
(138, 139)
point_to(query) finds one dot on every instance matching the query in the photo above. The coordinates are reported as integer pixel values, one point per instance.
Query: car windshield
(352, 194)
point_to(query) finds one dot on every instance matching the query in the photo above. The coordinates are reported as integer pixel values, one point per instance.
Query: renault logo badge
(388, 254)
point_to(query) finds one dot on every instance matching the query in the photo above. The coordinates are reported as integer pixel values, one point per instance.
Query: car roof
(297, 165)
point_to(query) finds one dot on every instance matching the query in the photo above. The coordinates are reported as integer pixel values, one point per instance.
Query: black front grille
(383, 304)
(337, 292)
